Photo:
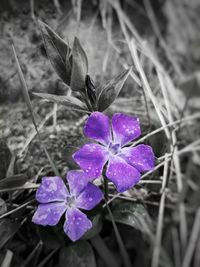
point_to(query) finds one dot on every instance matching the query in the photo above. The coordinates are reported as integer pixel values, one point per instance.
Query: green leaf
(13, 181)
(59, 53)
(68, 101)
(111, 90)
(132, 214)
(96, 227)
(79, 67)
(7, 230)
(79, 254)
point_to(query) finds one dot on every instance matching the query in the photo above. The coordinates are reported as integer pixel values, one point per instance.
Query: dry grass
(172, 118)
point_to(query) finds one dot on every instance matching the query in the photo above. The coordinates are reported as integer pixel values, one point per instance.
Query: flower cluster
(123, 166)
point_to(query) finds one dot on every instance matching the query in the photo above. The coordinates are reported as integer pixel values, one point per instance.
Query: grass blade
(28, 103)
(157, 245)
(8, 259)
(123, 251)
(193, 240)
(124, 254)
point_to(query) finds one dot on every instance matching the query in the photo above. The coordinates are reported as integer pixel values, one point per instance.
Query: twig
(32, 10)
(55, 108)
(193, 240)
(184, 120)
(147, 87)
(57, 6)
(176, 161)
(18, 208)
(25, 186)
(46, 259)
(163, 44)
(197, 254)
(29, 106)
(131, 199)
(123, 251)
(7, 259)
(34, 132)
(124, 254)
(176, 247)
(32, 254)
(157, 244)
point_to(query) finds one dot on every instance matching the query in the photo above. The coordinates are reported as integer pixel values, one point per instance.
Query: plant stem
(106, 188)
(124, 254)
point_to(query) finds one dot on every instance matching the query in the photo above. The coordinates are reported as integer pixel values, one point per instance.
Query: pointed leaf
(59, 53)
(79, 67)
(111, 90)
(13, 181)
(132, 214)
(68, 101)
(91, 91)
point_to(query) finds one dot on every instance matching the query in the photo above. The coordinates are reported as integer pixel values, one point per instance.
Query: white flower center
(71, 201)
(114, 148)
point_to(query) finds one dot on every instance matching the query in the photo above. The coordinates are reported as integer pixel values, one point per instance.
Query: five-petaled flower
(125, 164)
(55, 200)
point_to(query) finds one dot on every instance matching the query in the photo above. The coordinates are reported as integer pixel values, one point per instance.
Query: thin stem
(106, 188)
(158, 238)
(192, 242)
(14, 210)
(124, 254)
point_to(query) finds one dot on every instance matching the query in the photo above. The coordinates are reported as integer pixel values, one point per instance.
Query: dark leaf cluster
(71, 65)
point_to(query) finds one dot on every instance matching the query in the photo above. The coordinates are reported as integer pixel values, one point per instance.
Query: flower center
(114, 148)
(71, 201)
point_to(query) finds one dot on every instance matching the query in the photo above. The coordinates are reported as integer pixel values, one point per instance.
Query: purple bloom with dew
(124, 164)
(55, 200)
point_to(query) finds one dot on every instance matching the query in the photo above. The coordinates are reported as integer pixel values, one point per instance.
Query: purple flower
(55, 200)
(124, 164)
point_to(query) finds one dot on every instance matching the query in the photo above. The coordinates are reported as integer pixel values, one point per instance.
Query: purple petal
(89, 197)
(123, 175)
(51, 189)
(97, 127)
(141, 157)
(76, 224)
(91, 158)
(125, 128)
(49, 214)
(77, 180)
